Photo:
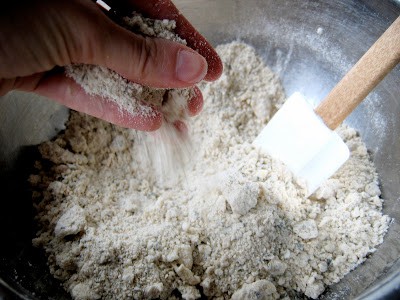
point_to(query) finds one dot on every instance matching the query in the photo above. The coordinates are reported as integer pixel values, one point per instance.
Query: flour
(131, 97)
(235, 225)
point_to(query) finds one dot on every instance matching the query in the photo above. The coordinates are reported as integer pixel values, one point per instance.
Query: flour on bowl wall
(234, 224)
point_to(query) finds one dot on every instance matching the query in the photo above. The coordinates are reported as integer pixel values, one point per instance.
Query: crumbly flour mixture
(234, 224)
(131, 97)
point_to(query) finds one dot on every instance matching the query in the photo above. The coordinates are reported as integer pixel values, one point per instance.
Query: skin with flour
(133, 99)
(40, 36)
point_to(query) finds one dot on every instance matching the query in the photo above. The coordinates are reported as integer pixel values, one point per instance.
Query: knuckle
(89, 45)
(147, 52)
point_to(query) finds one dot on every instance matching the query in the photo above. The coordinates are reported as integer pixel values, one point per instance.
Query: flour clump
(235, 224)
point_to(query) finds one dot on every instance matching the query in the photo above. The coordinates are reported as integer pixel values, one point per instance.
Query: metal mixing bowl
(310, 44)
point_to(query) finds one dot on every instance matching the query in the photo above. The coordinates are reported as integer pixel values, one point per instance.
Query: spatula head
(300, 139)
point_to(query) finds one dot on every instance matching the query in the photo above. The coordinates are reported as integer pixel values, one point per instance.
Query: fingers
(79, 32)
(194, 107)
(195, 104)
(152, 62)
(148, 61)
(65, 91)
(165, 9)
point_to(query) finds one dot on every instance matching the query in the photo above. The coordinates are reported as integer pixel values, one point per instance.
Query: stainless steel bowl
(310, 44)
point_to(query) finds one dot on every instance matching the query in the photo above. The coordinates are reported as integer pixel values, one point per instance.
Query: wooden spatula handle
(373, 66)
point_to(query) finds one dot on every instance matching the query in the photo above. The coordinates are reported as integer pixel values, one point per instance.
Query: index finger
(165, 9)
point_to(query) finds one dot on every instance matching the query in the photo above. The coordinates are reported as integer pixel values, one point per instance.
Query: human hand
(38, 36)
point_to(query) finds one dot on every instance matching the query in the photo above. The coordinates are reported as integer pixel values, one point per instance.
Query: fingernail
(190, 66)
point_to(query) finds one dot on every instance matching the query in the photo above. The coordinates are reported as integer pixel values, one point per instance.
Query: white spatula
(304, 139)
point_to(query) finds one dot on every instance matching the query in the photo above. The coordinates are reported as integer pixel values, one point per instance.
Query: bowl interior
(310, 44)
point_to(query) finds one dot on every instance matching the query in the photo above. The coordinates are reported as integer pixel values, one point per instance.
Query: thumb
(148, 61)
